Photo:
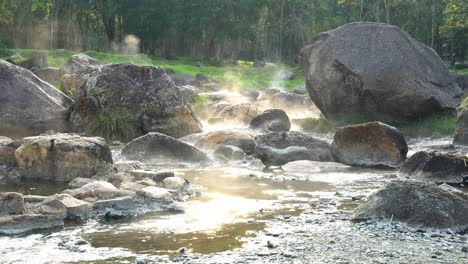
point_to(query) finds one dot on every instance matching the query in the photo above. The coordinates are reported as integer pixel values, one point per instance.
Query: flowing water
(233, 205)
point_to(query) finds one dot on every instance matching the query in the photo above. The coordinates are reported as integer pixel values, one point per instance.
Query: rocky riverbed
(299, 213)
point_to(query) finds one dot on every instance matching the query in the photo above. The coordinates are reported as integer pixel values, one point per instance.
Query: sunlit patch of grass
(434, 126)
(318, 125)
(248, 76)
(115, 124)
(200, 103)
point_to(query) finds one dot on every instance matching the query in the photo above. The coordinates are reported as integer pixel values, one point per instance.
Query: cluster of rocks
(31, 105)
(98, 187)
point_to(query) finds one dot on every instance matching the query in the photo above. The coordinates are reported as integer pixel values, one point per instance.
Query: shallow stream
(234, 204)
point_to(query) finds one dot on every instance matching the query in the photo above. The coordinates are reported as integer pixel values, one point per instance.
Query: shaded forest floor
(241, 72)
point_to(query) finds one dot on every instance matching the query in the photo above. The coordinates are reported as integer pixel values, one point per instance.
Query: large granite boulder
(63, 157)
(156, 146)
(147, 93)
(371, 144)
(376, 71)
(435, 166)
(417, 203)
(28, 105)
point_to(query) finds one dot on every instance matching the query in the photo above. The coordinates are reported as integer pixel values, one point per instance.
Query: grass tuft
(115, 124)
(317, 125)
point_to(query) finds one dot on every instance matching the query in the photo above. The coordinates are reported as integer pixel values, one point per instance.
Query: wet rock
(153, 175)
(99, 189)
(369, 77)
(417, 203)
(371, 144)
(76, 209)
(182, 79)
(461, 129)
(17, 224)
(242, 140)
(155, 194)
(283, 140)
(271, 120)
(272, 244)
(133, 186)
(7, 151)
(154, 103)
(309, 166)
(228, 153)
(238, 114)
(435, 166)
(128, 165)
(278, 157)
(50, 75)
(11, 203)
(156, 146)
(189, 93)
(464, 249)
(30, 105)
(63, 157)
(34, 198)
(125, 203)
(80, 182)
(174, 183)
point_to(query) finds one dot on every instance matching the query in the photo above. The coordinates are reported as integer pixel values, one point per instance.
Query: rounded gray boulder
(376, 71)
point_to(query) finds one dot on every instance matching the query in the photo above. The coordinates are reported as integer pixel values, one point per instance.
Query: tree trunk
(433, 24)
(280, 49)
(107, 19)
(387, 11)
(54, 24)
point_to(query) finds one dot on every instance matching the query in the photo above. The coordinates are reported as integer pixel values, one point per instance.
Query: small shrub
(319, 125)
(115, 124)
(200, 103)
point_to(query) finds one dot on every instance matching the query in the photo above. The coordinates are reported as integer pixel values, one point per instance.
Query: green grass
(200, 103)
(434, 126)
(115, 124)
(239, 74)
(317, 125)
(462, 71)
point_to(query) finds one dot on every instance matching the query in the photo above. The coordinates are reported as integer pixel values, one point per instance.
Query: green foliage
(115, 124)
(239, 76)
(200, 103)
(433, 126)
(318, 125)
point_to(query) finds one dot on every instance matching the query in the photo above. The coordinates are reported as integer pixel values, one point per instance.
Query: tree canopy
(272, 30)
